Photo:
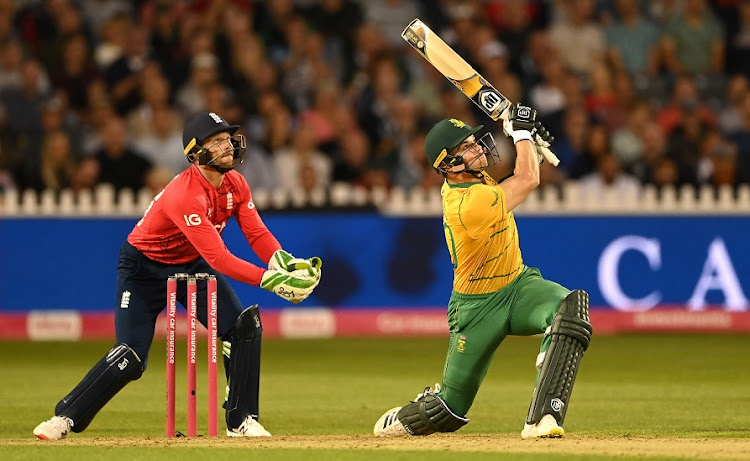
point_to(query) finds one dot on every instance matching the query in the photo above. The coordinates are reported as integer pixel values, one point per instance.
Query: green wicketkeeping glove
(290, 287)
(284, 260)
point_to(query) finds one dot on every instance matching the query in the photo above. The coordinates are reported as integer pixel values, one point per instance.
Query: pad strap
(120, 366)
(571, 334)
(244, 367)
(429, 414)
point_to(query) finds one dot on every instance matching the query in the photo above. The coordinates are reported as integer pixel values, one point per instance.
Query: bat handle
(549, 156)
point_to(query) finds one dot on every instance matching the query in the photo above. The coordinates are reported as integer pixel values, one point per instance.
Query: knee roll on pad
(244, 367)
(571, 334)
(572, 320)
(120, 366)
(428, 415)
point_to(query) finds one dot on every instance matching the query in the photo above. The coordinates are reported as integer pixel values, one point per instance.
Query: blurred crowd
(635, 92)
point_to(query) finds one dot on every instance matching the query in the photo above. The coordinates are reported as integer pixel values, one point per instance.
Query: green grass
(642, 386)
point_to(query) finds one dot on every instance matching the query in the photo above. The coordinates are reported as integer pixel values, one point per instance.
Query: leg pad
(120, 366)
(429, 414)
(244, 368)
(571, 334)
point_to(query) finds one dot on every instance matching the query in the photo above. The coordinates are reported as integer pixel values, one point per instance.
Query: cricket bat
(462, 75)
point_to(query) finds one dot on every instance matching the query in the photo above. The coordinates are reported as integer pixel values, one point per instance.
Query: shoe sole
(556, 433)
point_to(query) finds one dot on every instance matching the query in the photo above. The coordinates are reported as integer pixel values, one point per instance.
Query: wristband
(520, 135)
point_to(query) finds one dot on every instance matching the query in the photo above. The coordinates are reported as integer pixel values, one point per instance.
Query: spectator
(76, 71)
(290, 162)
(353, 163)
(627, 142)
(684, 94)
(338, 21)
(633, 41)
(118, 164)
(54, 167)
(204, 72)
(162, 146)
(694, 41)
(571, 140)
(113, 38)
(597, 145)
(730, 117)
(742, 140)
(717, 164)
(390, 16)
(124, 74)
(653, 168)
(11, 59)
(601, 101)
(155, 95)
(515, 27)
(322, 116)
(256, 166)
(579, 39)
(162, 19)
(665, 173)
(738, 43)
(23, 108)
(608, 176)
(685, 142)
(547, 96)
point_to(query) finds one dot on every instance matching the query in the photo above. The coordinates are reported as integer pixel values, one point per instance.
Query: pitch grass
(637, 396)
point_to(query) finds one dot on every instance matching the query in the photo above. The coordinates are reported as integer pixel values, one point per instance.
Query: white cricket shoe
(547, 427)
(388, 425)
(249, 428)
(55, 428)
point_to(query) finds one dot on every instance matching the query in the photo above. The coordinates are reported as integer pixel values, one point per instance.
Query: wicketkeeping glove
(284, 260)
(290, 287)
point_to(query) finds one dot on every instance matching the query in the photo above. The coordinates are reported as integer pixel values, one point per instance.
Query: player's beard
(219, 168)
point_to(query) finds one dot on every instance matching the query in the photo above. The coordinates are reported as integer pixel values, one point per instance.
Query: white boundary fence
(105, 202)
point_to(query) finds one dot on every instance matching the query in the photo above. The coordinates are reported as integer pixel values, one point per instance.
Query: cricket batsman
(494, 293)
(180, 232)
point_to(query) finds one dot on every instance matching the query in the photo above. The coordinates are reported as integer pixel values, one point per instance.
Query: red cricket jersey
(186, 219)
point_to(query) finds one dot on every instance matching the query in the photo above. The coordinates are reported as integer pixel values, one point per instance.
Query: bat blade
(456, 69)
(459, 72)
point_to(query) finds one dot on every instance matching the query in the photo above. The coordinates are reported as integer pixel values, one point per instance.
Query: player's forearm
(527, 164)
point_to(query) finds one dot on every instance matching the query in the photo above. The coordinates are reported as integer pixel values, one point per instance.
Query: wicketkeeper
(494, 293)
(180, 232)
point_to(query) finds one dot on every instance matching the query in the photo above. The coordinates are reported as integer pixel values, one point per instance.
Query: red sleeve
(261, 240)
(190, 217)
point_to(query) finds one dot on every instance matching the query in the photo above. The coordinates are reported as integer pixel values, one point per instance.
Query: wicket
(213, 352)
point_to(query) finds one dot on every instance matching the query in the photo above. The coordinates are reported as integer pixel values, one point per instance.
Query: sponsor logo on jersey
(192, 220)
(125, 301)
(230, 202)
(250, 204)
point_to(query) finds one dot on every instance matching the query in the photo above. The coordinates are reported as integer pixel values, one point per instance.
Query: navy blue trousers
(142, 295)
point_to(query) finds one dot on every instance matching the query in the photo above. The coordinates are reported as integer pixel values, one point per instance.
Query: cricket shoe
(547, 427)
(249, 428)
(427, 390)
(55, 428)
(389, 426)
